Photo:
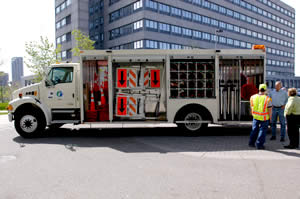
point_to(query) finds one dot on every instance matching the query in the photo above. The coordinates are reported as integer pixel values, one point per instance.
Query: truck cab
(52, 102)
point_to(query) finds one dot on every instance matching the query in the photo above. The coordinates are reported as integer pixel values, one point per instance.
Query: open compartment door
(95, 90)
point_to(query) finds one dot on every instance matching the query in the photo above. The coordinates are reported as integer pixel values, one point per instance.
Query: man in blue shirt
(279, 99)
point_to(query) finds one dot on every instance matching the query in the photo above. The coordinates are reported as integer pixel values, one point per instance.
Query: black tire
(55, 126)
(190, 114)
(30, 124)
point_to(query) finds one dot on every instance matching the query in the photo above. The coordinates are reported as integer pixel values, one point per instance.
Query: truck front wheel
(30, 125)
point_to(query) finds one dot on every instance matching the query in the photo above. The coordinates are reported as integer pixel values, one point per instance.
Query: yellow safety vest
(259, 107)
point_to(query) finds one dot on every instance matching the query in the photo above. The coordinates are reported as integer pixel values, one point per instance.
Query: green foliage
(3, 106)
(4, 91)
(40, 56)
(83, 42)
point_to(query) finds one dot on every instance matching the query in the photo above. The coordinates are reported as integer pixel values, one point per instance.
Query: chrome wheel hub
(192, 121)
(28, 123)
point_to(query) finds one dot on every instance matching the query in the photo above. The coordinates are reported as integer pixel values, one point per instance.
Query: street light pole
(216, 35)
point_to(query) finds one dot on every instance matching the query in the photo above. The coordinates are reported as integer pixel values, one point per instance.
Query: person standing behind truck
(292, 113)
(261, 107)
(279, 100)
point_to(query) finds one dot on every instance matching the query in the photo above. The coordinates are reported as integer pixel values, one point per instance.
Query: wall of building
(17, 69)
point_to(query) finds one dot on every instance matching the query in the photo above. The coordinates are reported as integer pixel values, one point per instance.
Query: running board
(192, 121)
(65, 122)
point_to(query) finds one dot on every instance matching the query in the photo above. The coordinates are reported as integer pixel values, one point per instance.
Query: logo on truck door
(59, 94)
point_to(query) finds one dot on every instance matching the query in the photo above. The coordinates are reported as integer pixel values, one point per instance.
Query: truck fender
(17, 103)
(204, 111)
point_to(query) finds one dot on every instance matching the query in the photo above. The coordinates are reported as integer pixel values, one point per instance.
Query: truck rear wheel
(30, 125)
(190, 121)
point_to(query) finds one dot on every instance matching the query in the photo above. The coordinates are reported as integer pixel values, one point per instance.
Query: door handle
(73, 95)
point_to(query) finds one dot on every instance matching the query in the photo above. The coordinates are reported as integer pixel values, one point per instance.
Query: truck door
(60, 88)
(60, 95)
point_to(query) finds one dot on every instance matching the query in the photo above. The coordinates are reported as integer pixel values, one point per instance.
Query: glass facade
(194, 24)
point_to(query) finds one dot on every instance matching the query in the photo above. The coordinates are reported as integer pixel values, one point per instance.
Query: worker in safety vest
(261, 107)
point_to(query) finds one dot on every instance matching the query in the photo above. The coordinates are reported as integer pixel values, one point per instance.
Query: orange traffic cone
(92, 105)
(103, 100)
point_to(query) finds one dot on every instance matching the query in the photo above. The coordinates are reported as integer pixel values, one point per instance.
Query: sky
(26, 20)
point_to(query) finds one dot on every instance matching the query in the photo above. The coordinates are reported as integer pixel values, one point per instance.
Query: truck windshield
(60, 75)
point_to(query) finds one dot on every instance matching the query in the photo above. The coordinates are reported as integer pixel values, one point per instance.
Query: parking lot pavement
(144, 163)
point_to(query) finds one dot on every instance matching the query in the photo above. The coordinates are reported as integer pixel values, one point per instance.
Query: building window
(243, 44)
(229, 41)
(222, 10)
(214, 7)
(58, 40)
(236, 15)
(151, 44)
(187, 14)
(242, 17)
(229, 12)
(176, 12)
(164, 27)
(206, 36)
(62, 6)
(243, 30)
(206, 4)
(138, 44)
(187, 32)
(176, 46)
(206, 20)
(176, 29)
(222, 25)
(163, 45)
(222, 40)
(137, 25)
(236, 29)
(151, 4)
(138, 5)
(151, 24)
(214, 22)
(164, 8)
(197, 18)
(229, 26)
(197, 34)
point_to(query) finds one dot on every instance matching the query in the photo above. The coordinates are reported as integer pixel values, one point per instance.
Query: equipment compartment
(95, 90)
(192, 79)
(139, 91)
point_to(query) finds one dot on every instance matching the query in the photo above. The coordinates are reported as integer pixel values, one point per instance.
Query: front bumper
(10, 117)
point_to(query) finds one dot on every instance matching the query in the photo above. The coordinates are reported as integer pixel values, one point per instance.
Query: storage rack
(192, 79)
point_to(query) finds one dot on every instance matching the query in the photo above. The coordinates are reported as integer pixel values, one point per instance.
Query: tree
(4, 89)
(83, 42)
(40, 56)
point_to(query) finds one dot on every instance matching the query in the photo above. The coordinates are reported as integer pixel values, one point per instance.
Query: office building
(17, 69)
(183, 24)
(3, 79)
(70, 15)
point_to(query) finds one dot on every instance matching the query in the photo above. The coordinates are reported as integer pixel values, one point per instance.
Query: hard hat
(263, 86)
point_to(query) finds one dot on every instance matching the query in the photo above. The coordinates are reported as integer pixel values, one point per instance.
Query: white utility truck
(190, 88)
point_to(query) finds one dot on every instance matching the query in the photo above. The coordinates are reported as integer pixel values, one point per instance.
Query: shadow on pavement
(153, 140)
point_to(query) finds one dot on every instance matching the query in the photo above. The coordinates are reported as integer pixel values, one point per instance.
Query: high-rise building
(3, 79)
(17, 69)
(70, 15)
(183, 24)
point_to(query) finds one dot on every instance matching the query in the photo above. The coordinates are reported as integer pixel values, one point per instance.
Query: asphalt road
(144, 164)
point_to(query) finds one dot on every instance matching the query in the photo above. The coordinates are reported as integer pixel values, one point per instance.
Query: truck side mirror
(48, 83)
